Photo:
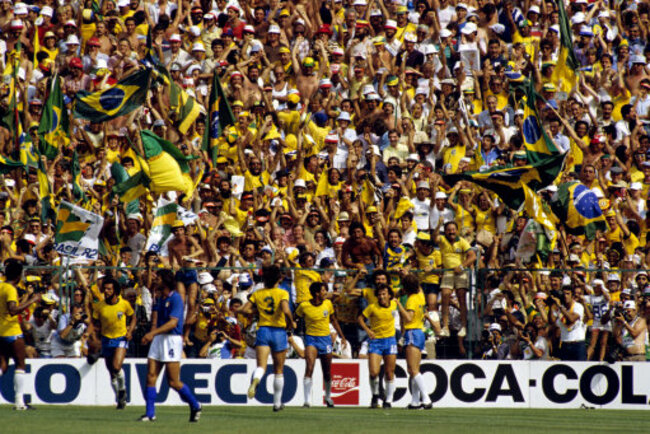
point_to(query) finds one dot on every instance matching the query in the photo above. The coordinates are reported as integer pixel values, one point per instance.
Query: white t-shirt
(540, 343)
(421, 213)
(577, 331)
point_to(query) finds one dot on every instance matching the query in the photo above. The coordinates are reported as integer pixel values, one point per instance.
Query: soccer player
(12, 344)
(318, 313)
(272, 305)
(413, 316)
(110, 318)
(382, 344)
(166, 348)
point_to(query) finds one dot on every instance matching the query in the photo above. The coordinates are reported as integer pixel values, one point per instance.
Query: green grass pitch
(71, 419)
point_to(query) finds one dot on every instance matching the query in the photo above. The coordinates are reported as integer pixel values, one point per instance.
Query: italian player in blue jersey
(272, 305)
(413, 316)
(166, 349)
(318, 313)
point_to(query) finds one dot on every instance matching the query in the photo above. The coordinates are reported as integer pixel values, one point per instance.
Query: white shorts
(166, 348)
(60, 350)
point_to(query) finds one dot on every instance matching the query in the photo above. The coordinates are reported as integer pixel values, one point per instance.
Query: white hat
(461, 6)
(577, 18)
(469, 28)
(191, 69)
(72, 40)
(175, 38)
(629, 304)
(441, 195)
(495, 326)
(359, 3)
(134, 216)
(410, 37)
(123, 3)
(47, 11)
(555, 28)
(414, 157)
(534, 9)
(573, 258)
(209, 288)
(445, 33)
(390, 24)
(423, 184)
(205, 278)
(195, 30)
(198, 46)
(636, 186)
(101, 64)
(422, 90)
(300, 183)
(429, 49)
(498, 28)
(344, 116)
(613, 276)
(598, 282)
(604, 14)
(274, 28)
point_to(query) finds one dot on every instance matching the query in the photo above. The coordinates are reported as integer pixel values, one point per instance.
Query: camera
(525, 334)
(619, 311)
(485, 335)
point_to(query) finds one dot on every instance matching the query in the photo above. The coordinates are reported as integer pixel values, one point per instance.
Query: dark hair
(167, 277)
(13, 269)
(379, 272)
(356, 225)
(271, 275)
(117, 288)
(315, 288)
(384, 286)
(410, 284)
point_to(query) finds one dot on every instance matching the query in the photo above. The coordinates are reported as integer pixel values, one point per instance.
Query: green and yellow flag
(129, 188)
(164, 169)
(564, 75)
(184, 107)
(76, 178)
(220, 116)
(7, 165)
(507, 182)
(44, 193)
(576, 206)
(54, 128)
(535, 210)
(118, 100)
(77, 231)
(161, 228)
(538, 145)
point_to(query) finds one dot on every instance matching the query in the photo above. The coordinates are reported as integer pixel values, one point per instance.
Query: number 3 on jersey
(270, 305)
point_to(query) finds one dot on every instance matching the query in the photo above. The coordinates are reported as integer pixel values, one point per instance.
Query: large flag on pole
(538, 145)
(54, 127)
(564, 74)
(120, 99)
(577, 207)
(220, 116)
(507, 182)
(77, 231)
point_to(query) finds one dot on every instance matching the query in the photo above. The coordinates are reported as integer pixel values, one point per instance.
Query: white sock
(374, 385)
(278, 385)
(415, 392)
(19, 387)
(258, 373)
(307, 390)
(328, 389)
(390, 390)
(121, 381)
(114, 385)
(419, 381)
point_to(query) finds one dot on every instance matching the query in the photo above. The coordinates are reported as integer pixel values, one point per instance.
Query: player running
(110, 319)
(272, 305)
(166, 337)
(413, 316)
(12, 344)
(382, 344)
(318, 313)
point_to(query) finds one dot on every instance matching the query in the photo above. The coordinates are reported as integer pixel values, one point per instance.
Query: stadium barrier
(476, 384)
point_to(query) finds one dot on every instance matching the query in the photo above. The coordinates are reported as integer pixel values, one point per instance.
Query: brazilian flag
(577, 207)
(564, 75)
(538, 145)
(184, 107)
(507, 181)
(54, 128)
(129, 188)
(120, 99)
(220, 116)
(7, 165)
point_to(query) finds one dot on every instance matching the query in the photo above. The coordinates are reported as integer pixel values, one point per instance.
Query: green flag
(120, 99)
(577, 208)
(507, 181)
(538, 145)
(220, 116)
(154, 144)
(54, 128)
(185, 108)
(7, 165)
(129, 188)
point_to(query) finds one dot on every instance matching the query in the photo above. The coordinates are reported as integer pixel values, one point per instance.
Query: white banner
(77, 231)
(476, 384)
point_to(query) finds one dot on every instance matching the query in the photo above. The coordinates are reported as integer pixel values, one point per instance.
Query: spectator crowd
(320, 135)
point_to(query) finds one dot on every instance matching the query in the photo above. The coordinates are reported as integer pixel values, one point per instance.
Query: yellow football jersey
(9, 324)
(418, 305)
(112, 317)
(268, 302)
(382, 322)
(317, 318)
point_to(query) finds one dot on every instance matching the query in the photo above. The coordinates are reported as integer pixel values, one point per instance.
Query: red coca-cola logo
(345, 383)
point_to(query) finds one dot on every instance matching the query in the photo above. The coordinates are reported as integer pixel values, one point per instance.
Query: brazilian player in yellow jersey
(272, 306)
(382, 343)
(12, 344)
(318, 314)
(110, 318)
(413, 316)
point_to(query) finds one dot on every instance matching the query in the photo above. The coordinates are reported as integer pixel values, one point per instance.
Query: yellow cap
(371, 208)
(423, 236)
(293, 98)
(178, 224)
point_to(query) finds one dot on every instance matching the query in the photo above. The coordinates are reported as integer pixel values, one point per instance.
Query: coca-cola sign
(345, 383)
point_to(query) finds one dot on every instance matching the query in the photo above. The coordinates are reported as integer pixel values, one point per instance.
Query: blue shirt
(168, 308)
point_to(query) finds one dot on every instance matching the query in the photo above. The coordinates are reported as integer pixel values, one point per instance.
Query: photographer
(534, 339)
(630, 332)
(39, 330)
(495, 348)
(66, 340)
(568, 315)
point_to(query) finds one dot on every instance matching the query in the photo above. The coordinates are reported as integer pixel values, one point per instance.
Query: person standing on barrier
(272, 305)
(12, 343)
(110, 318)
(383, 344)
(569, 316)
(413, 316)
(166, 338)
(457, 257)
(318, 314)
